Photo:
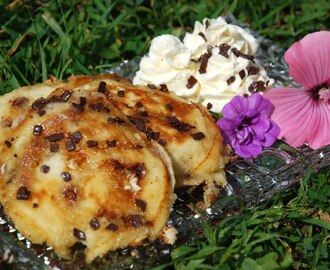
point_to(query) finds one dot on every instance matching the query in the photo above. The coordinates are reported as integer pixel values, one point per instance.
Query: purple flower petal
(235, 107)
(247, 151)
(271, 135)
(266, 108)
(255, 101)
(261, 127)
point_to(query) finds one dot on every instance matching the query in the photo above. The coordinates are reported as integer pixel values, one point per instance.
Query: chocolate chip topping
(102, 87)
(55, 137)
(138, 170)
(139, 123)
(112, 227)
(121, 93)
(207, 24)
(257, 86)
(135, 221)
(169, 107)
(23, 193)
(253, 70)
(152, 135)
(112, 143)
(198, 136)
(177, 124)
(94, 223)
(66, 176)
(8, 143)
(139, 104)
(141, 204)
(81, 105)
(19, 101)
(238, 53)
(75, 137)
(151, 86)
(231, 80)
(39, 104)
(79, 234)
(163, 88)
(70, 194)
(70, 146)
(98, 107)
(242, 74)
(41, 113)
(204, 59)
(37, 130)
(65, 96)
(44, 169)
(162, 142)
(116, 120)
(223, 49)
(54, 147)
(191, 82)
(203, 36)
(92, 143)
(209, 106)
(82, 101)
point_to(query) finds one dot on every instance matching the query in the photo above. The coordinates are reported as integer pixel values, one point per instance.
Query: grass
(61, 38)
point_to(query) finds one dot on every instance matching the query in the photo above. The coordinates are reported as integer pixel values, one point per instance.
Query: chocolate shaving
(186, 176)
(204, 59)
(203, 36)
(257, 86)
(121, 93)
(163, 88)
(198, 136)
(8, 143)
(55, 137)
(79, 234)
(191, 82)
(151, 86)
(39, 104)
(54, 147)
(92, 143)
(112, 143)
(70, 146)
(112, 227)
(23, 193)
(44, 169)
(177, 124)
(19, 101)
(169, 107)
(209, 106)
(117, 120)
(102, 87)
(135, 221)
(223, 50)
(94, 223)
(162, 142)
(207, 24)
(66, 176)
(253, 70)
(152, 135)
(75, 137)
(65, 96)
(242, 74)
(139, 104)
(37, 130)
(141, 204)
(231, 80)
(238, 53)
(70, 194)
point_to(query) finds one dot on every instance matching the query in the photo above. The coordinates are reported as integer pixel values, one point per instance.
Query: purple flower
(246, 125)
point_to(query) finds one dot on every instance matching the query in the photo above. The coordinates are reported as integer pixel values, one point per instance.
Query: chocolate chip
(96, 107)
(204, 59)
(112, 227)
(139, 170)
(78, 107)
(112, 143)
(54, 147)
(257, 86)
(94, 223)
(79, 234)
(144, 114)
(66, 176)
(121, 93)
(238, 53)
(191, 82)
(23, 193)
(139, 146)
(177, 124)
(82, 101)
(151, 86)
(102, 87)
(163, 88)
(223, 49)
(203, 36)
(231, 80)
(198, 136)
(41, 113)
(152, 135)
(44, 169)
(162, 142)
(135, 221)
(75, 137)
(35, 205)
(55, 137)
(65, 96)
(8, 143)
(139, 104)
(140, 124)
(242, 74)
(116, 120)
(209, 106)
(92, 143)
(70, 194)
(141, 204)
(39, 104)
(253, 70)
(70, 146)
(169, 107)
(37, 130)
(207, 24)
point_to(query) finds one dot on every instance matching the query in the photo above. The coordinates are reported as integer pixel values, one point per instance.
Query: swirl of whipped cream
(215, 32)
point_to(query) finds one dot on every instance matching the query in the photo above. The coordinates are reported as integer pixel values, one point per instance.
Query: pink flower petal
(309, 60)
(295, 114)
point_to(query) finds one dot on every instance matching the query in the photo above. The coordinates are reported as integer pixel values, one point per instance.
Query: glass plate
(250, 181)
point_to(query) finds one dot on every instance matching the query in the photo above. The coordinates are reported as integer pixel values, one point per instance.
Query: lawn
(61, 38)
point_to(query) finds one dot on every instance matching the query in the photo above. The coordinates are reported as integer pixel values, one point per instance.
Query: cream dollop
(213, 64)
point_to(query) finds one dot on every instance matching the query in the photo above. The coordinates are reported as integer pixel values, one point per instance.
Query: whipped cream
(213, 64)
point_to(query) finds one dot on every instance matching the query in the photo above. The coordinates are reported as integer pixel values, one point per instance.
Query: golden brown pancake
(74, 169)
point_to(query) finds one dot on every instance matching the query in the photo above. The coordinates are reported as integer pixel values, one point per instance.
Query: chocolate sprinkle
(102, 87)
(231, 80)
(198, 136)
(191, 82)
(79, 234)
(203, 36)
(92, 143)
(223, 49)
(55, 137)
(257, 86)
(112, 143)
(70, 146)
(23, 193)
(141, 204)
(253, 70)
(204, 60)
(121, 93)
(75, 137)
(242, 74)
(44, 169)
(162, 142)
(54, 147)
(94, 223)
(66, 176)
(135, 220)
(238, 53)
(112, 227)
(163, 88)
(8, 143)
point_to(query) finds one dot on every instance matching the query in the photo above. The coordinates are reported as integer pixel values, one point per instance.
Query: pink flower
(304, 114)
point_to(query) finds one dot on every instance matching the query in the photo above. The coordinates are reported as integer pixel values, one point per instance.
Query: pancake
(185, 129)
(73, 169)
